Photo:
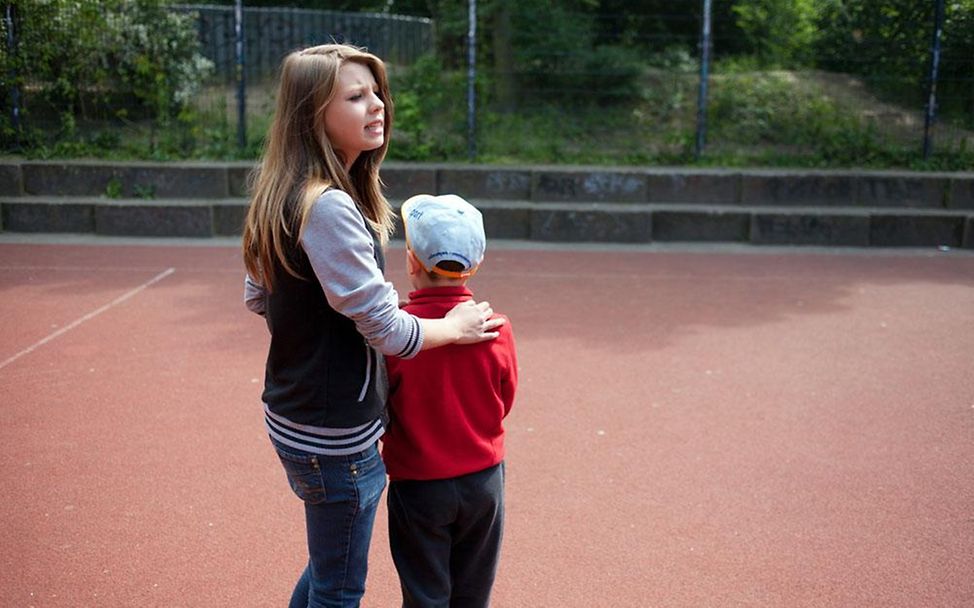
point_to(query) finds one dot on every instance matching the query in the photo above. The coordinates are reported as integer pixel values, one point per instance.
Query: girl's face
(355, 117)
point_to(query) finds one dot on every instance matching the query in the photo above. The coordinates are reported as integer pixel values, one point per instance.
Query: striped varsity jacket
(325, 385)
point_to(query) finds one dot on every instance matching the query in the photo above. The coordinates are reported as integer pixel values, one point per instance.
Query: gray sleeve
(340, 249)
(255, 296)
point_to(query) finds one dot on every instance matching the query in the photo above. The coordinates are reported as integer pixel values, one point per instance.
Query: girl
(312, 246)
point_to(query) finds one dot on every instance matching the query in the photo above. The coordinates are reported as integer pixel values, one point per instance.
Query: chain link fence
(565, 82)
(244, 77)
(180, 78)
(271, 33)
(836, 85)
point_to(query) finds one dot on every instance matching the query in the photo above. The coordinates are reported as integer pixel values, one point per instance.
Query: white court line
(78, 268)
(87, 317)
(29, 268)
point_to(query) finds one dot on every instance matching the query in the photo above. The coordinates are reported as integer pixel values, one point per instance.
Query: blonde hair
(299, 162)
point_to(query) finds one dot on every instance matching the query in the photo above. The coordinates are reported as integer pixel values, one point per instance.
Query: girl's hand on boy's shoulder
(474, 323)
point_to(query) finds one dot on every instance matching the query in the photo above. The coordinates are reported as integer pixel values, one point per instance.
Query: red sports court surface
(693, 428)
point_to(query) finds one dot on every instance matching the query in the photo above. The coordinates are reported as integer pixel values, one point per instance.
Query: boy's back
(448, 404)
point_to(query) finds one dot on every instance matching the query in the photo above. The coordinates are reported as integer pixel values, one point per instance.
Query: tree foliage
(889, 42)
(779, 32)
(89, 59)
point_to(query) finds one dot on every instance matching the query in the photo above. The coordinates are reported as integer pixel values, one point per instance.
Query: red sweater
(448, 403)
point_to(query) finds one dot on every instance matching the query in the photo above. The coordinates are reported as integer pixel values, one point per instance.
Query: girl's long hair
(299, 162)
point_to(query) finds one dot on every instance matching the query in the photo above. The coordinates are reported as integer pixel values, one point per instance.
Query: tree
(888, 42)
(83, 54)
(779, 32)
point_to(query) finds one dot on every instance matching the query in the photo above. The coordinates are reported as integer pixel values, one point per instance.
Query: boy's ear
(413, 266)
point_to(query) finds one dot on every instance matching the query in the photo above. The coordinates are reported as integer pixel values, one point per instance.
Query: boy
(444, 449)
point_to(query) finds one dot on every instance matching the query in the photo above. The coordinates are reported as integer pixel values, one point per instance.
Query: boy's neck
(424, 281)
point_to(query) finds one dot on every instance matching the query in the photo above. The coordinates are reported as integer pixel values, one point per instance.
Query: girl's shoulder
(316, 189)
(334, 211)
(332, 201)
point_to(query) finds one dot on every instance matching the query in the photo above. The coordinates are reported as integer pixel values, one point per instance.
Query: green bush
(787, 119)
(609, 73)
(430, 105)
(753, 108)
(561, 60)
(676, 59)
(156, 56)
(781, 33)
(85, 61)
(887, 43)
(778, 109)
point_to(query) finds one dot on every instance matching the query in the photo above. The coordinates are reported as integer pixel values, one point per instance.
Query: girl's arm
(255, 296)
(340, 249)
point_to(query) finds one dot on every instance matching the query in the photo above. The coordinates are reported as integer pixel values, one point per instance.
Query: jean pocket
(304, 475)
(369, 474)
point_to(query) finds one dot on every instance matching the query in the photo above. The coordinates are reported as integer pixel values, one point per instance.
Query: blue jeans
(340, 494)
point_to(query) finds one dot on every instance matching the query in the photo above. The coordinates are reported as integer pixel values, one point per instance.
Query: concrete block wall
(564, 204)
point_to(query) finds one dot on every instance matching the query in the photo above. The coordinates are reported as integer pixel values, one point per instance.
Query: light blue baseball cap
(444, 227)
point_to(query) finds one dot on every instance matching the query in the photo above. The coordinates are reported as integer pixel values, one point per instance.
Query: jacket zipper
(368, 372)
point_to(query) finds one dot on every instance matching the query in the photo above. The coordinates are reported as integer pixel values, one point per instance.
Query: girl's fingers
(493, 324)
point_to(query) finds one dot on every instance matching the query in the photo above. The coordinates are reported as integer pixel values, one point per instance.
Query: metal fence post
(934, 68)
(471, 81)
(238, 27)
(11, 53)
(704, 77)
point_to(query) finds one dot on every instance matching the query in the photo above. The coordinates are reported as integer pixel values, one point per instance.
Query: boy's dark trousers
(445, 537)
